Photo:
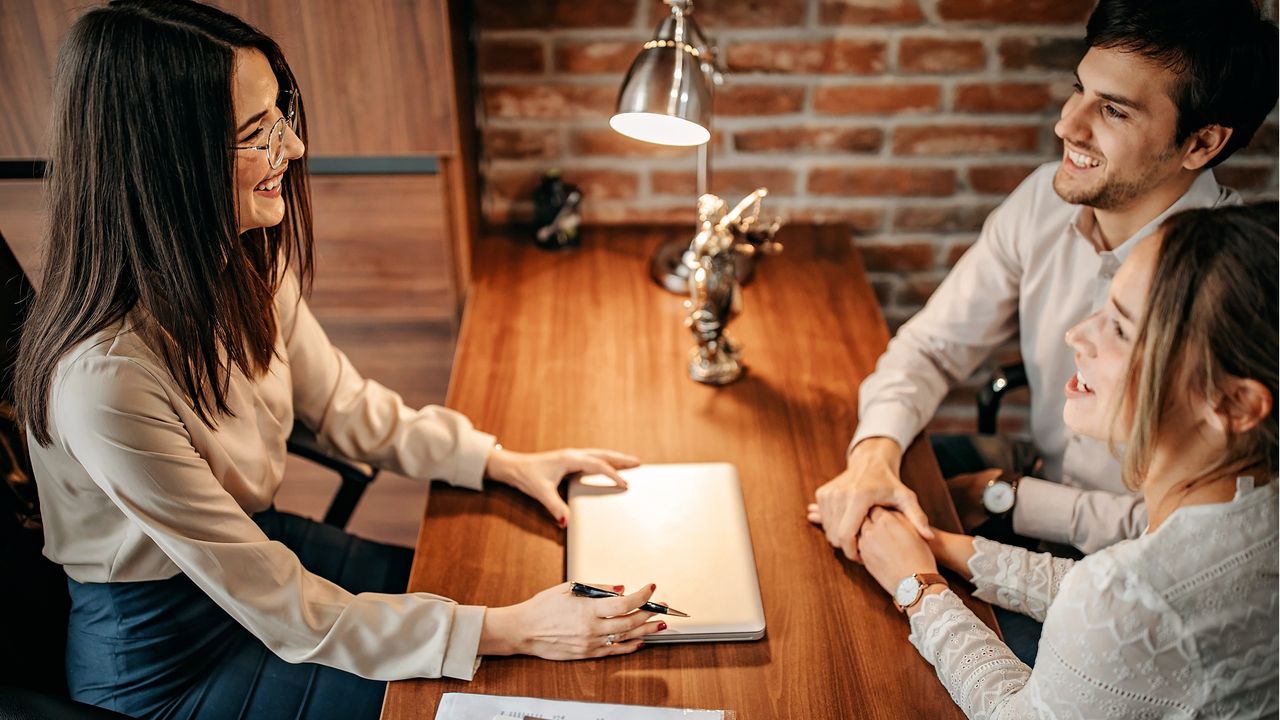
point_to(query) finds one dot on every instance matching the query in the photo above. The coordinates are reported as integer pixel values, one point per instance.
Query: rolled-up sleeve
(118, 420)
(361, 419)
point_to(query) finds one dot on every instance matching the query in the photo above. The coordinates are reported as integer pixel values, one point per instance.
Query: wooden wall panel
(382, 245)
(30, 31)
(22, 222)
(377, 74)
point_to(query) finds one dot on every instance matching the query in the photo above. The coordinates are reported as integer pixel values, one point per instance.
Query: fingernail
(640, 645)
(662, 626)
(653, 587)
(618, 588)
(563, 521)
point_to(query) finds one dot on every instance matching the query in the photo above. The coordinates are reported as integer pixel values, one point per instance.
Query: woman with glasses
(163, 365)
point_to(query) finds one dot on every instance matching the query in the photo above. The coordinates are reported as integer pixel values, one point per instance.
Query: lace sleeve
(979, 671)
(1016, 579)
(1108, 651)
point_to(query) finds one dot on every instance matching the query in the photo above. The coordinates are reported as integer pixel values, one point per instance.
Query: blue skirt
(163, 649)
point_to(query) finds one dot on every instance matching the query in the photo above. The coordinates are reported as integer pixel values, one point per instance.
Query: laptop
(683, 527)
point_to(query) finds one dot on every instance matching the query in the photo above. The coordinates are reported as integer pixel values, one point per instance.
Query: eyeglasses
(288, 103)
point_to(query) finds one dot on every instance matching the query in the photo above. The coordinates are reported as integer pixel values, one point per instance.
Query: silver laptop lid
(683, 527)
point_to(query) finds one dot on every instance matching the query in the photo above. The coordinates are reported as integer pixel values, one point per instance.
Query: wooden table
(581, 349)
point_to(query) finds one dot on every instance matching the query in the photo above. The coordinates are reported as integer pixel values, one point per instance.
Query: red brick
(876, 99)
(882, 181)
(715, 14)
(884, 288)
(1011, 97)
(955, 251)
(608, 142)
(860, 220)
(936, 55)
(1245, 177)
(1264, 141)
(730, 184)
(549, 101)
(606, 56)
(954, 218)
(521, 143)
(1016, 11)
(503, 211)
(750, 100)
(840, 56)
(918, 289)
(1044, 53)
(505, 14)
(683, 214)
(824, 140)
(998, 178)
(511, 56)
(518, 184)
(866, 12)
(897, 257)
(965, 139)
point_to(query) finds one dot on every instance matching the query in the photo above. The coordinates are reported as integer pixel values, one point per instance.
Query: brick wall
(908, 119)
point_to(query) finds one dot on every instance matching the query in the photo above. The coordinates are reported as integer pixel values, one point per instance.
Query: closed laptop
(683, 527)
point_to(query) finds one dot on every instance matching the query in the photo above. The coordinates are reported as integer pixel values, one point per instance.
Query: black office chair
(1003, 381)
(34, 603)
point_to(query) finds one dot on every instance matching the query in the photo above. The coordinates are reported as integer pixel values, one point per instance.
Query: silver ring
(610, 640)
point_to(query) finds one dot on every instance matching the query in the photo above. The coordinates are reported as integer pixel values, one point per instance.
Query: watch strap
(926, 580)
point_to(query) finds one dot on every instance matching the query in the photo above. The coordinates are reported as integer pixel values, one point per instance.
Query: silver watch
(1001, 494)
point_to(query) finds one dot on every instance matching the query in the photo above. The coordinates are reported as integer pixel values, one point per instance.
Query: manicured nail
(618, 588)
(640, 645)
(653, 587)
(662, 626)
(563, 521)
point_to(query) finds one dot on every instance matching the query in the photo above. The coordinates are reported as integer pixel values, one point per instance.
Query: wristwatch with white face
(912, 588)
(1001, 494)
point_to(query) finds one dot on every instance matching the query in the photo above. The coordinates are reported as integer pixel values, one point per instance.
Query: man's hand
(966, 493)
(870, 480)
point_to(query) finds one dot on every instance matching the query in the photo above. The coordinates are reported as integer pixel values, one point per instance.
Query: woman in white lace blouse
(1180, 367)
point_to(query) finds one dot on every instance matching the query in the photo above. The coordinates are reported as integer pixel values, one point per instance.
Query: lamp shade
(665, 98)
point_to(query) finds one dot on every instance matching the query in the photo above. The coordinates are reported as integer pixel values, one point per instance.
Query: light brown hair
(1211, 315)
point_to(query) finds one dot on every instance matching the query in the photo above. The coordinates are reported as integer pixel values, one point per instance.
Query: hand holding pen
(556, 624)
(602, 591)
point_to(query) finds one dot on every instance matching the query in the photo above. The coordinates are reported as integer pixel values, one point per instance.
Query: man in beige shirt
(1149, 117)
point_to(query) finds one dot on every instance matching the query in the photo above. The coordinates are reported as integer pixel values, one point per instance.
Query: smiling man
(1167, 90)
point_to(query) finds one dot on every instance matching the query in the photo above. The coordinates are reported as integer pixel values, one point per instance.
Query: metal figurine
(715, 294)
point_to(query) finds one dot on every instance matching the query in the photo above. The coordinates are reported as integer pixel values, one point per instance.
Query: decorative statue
(715, 295)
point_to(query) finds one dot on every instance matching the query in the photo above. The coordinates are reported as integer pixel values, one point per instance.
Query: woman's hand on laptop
(557, 625)
(538, 475)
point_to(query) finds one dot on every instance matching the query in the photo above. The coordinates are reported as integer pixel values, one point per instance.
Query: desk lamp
(666, 99)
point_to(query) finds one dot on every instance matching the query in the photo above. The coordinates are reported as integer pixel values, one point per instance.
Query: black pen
(591, 591)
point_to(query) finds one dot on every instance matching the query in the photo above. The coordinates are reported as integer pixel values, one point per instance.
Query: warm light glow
(660, 129)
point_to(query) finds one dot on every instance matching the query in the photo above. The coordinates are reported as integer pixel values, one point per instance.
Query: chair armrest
(1003, 380)
(356, 476)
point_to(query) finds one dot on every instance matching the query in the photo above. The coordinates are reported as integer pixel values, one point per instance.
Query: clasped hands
(876, 520)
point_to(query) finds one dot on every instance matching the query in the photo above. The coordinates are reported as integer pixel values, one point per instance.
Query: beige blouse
(136, 487)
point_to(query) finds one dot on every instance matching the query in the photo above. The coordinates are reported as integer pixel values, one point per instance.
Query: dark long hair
(142, 208)
(1211, 315)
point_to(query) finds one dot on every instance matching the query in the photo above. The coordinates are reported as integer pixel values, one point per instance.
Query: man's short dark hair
(1223, 51)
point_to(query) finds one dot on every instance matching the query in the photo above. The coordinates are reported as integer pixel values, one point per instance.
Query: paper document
(466, 706)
